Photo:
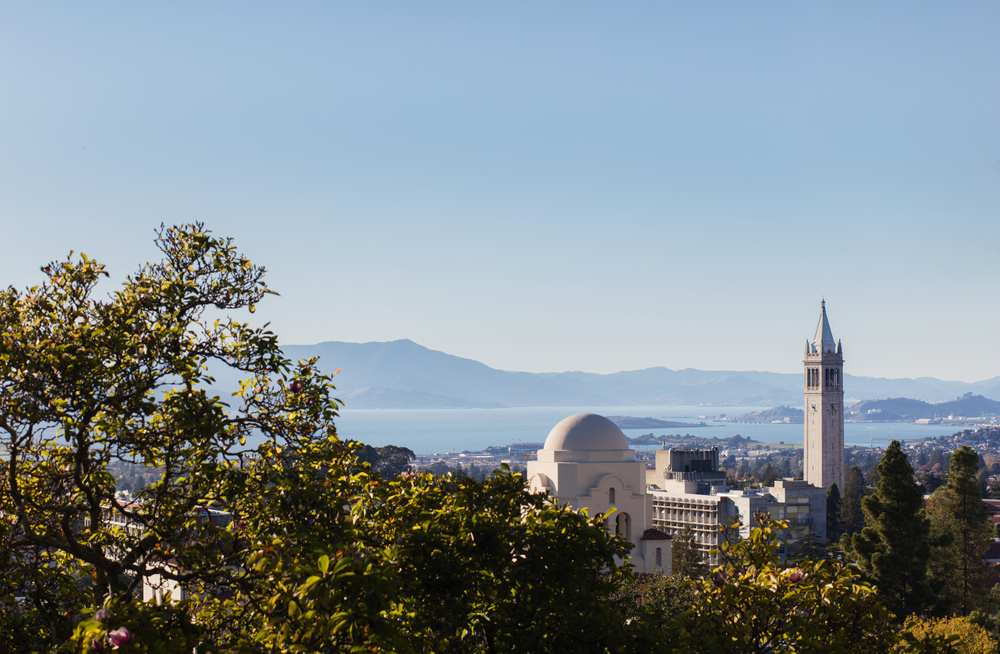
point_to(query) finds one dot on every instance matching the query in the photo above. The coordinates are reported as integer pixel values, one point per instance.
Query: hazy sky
(541, 186)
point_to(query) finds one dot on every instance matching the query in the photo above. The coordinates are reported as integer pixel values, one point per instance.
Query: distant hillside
(967, 406)
(405, 375)
(777, 414)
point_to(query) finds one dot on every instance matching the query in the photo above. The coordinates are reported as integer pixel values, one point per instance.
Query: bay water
(443, 431)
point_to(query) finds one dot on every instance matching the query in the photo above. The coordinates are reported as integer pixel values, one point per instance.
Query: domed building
(586, 462)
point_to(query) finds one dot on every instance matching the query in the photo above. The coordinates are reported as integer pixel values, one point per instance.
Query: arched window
(622, 526)
(659, 558)
(611, 496)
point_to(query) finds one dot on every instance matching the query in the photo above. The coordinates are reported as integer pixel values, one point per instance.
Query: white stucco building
(586, 462)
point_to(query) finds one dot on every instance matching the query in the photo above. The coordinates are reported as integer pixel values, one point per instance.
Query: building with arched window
(586, 462)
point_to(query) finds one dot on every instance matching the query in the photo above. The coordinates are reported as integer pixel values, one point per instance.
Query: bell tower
(823, 461)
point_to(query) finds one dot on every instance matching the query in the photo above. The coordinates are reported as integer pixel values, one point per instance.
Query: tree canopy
(894, 548)
(964, 531)
(280, 534)
(752, 603)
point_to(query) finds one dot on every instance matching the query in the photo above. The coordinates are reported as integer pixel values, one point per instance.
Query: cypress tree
(894, 548)
(959, 521)
(685, 556)
(833, 514)
(851, 517)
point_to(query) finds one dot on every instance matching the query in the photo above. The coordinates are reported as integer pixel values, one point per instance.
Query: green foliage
(807, 548)
(753, 604)
(87, 384)
(656, 600)
(140, 628)
(894, 548)
(686, 559)
(323, 552)
(833, 529)
(964, 531)
(851, 516)
(958, 635)
(419, 564)
(388, 461)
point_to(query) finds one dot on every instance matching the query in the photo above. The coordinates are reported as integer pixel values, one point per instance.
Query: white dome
(586, 432)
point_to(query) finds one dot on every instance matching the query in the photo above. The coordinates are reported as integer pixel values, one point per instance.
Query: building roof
(823, 339)
(993, 510)
(586, 432)
(655, 534)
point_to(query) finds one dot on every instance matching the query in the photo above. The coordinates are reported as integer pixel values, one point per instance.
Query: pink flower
(796, 576)
(103, 614)
(120, 637)
(97, 646)
(295, 387)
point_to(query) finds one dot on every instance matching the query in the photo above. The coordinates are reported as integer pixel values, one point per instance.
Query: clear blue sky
(539, 186)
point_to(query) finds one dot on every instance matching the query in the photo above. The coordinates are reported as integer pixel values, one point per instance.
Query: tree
(960, 522)
(851, 516)
(656, 600)
(686, 559)
(322, 553)
(894, 548)
(388, 461)
(961, 633)
(753, 604)
(85, 383)
(421, 564)
(833, 514)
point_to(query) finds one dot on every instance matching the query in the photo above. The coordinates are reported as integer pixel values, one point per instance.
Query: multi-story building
(688, 489)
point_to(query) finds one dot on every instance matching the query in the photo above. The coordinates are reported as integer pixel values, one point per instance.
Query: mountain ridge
(404, 374)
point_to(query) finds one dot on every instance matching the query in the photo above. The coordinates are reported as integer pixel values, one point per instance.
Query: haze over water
(427, 431)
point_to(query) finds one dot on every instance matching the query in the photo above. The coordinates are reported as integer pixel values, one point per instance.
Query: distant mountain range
(404, 375)
(967, 406)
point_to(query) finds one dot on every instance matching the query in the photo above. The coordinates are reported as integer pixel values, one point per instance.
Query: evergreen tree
(964, 530)
(850, 515)
(983, 482)
(769, 475)
(685, 556)
(894, 548)
(833, 514)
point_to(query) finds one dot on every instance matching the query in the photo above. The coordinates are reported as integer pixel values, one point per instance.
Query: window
(659, 558)
(622, 526)
(611, 496)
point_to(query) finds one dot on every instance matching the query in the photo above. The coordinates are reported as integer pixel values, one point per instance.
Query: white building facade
(586, 463)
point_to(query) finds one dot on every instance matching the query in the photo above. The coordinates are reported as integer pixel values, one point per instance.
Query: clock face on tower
(812, 407)
(833, 408)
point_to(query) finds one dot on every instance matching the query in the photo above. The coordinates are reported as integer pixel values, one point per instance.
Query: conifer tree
(833, 514)
(894, 548)
(686, 558)
(850, 515)
(961, 524)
